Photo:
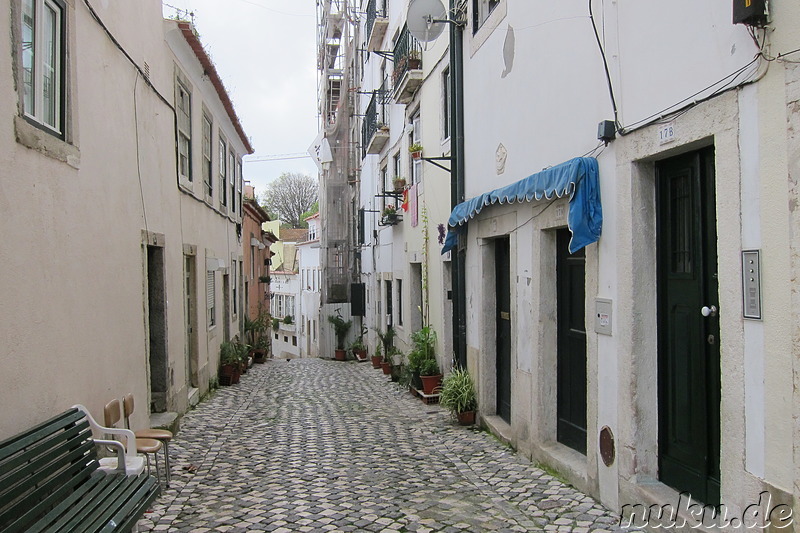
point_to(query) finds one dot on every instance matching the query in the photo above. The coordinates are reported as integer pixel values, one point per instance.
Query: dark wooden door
(688, 350)
(571, 343)
(503, 321)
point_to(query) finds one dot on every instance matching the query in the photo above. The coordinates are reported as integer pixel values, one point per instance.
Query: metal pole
(457, 185)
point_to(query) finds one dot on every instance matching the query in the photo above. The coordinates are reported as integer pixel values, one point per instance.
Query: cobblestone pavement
(316, 445)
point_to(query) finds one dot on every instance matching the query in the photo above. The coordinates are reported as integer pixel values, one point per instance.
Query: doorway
(157, 329)
(688, 341)
(190, 294)
(570, 343)
(502, 258)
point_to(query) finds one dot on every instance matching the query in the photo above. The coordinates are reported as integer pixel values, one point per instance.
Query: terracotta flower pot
(466, 418)
(376, 361)
(387, 368)
(340, 355)
(361, 355)
(430, 384)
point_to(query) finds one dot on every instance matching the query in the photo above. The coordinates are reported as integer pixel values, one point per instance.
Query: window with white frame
(290, 305)
(207, 156)
(239, 184)
(43, 63)
(446, 103)
(481, 9)
(183, 104)
(211, 298)
(223, 159)
(312, 232)
(415, 138)
(232, 178)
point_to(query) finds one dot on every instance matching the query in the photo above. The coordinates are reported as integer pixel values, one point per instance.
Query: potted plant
(378, 357)
(261, 350)
(275, 324)
(389, 215)
(430, 376)
(340, 328)
(424, 341)
(243, 351)
(230, 363)
(414, 59)
(399, 183)
(458, 396)
(288, 319)
(386, 364)
(416, 151)
(396, 369)
(264, 279)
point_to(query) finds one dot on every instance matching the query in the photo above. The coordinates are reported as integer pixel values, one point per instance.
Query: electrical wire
(138, 157)
(605, 67)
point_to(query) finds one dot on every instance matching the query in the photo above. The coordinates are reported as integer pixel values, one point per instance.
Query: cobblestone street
(313, 445)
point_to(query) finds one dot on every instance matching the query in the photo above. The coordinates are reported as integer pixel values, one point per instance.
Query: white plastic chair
(126, 460)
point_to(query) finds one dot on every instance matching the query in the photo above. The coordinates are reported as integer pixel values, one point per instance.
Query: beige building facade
(124, 274)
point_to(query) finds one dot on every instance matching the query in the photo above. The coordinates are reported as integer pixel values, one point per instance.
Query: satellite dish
(421, 16)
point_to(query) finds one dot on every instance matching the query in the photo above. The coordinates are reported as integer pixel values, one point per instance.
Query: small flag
(404, 205)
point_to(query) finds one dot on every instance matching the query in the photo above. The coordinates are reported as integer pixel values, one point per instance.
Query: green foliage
(288, 319)
(458, 392)
(387, 339)
(429, 367)
(424, 349)
(275, 323)
(313, 210)
(340, 327)
(416, 147)
(358, 344)
(229, 353)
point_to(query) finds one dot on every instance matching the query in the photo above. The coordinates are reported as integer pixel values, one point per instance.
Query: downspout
(457, 186)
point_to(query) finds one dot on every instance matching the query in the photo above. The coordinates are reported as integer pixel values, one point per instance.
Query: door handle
(709, 311)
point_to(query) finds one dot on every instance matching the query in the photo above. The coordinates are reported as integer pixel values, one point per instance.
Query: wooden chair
(164, 436)
(112, 415)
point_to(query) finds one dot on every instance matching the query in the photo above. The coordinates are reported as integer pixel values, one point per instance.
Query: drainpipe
(457, 186)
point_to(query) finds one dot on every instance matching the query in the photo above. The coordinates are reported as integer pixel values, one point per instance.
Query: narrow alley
(315, 445)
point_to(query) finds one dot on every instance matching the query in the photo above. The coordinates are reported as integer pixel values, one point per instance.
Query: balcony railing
(372, 14)
(407, 55)
(374, 124)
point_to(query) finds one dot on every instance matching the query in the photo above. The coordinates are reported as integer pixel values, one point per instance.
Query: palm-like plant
(458, 392)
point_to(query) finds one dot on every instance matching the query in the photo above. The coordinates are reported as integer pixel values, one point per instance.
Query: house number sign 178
(666, 133)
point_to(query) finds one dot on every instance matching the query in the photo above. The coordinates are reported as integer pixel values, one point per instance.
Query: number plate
(666, 133)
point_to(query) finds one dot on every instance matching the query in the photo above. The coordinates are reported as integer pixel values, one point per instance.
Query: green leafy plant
(229, 353)
(358, 344)
(416, 147)
(275, 323)
(458, 392)
(424, 349)
(340, 328)
(387, 338)
(264, 279)
(429, 367)
(288, 319)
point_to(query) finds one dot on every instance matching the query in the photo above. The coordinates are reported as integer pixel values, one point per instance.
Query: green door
(688, 326)
(571, 343)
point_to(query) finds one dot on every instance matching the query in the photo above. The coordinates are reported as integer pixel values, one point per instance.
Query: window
(481, 9)
(290, 305)
(239, 184)
(294, 340)
(399, 302)
(285, 338)
(183, 99)
(223, 158)
(207, 156)
(211, 298)
(43, 63)
(415, 138)
(232, 178)
(446, 100)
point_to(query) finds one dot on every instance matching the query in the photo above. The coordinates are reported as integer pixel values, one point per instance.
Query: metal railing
(407, 55)
(373, 118)
(373, 12)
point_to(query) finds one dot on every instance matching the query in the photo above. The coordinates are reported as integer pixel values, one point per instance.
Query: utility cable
(138, 157)
(605, 67)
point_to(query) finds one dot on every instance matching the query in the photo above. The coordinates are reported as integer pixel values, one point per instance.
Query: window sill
(488, 27)
(45, 143)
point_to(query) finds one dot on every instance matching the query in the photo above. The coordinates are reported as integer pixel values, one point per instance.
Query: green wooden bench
(50, 481)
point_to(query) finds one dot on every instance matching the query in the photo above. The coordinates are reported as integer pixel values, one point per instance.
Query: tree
(290, 196)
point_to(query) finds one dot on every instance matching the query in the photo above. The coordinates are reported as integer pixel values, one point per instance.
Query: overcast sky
(265, 53)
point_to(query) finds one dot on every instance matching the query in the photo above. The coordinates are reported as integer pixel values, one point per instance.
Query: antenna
(426, 19)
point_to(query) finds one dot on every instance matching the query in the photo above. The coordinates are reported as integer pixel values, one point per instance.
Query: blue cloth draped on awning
(577, 177)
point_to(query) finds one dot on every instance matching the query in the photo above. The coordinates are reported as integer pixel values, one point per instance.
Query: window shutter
(209, 289)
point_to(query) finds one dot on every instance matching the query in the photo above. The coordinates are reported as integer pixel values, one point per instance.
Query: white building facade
(310, 282)
(654, 360)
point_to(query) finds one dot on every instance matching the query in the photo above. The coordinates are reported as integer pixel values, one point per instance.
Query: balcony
(407, 73)
(377, 24)
(374, 130)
